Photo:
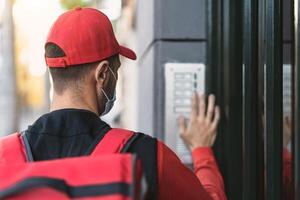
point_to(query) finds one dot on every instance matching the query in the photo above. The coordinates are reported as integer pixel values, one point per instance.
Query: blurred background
(25, 86)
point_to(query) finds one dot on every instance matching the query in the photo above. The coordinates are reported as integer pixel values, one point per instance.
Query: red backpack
(107, 174)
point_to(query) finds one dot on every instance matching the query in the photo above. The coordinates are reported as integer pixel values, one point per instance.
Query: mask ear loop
(112, 73)
(104, 91)
(105, 94)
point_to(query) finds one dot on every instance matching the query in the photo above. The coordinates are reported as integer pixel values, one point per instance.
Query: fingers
(182, 125)
(202, 106)
(216, 118)
(211, 107)
(194, 111)
(214, 124)
(199, 108)
(213, 138)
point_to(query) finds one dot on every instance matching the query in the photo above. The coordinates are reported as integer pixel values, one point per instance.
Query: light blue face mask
(110, 102)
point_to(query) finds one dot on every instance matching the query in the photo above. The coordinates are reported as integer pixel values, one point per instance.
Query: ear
(101, 72)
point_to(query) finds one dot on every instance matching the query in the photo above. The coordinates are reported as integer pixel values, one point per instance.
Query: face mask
(110, 102)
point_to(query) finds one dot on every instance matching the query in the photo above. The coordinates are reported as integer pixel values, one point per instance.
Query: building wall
(168, 31)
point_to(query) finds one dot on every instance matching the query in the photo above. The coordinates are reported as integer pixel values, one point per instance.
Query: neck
(67, 100)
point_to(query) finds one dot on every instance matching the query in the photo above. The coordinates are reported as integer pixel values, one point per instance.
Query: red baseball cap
(86, 36)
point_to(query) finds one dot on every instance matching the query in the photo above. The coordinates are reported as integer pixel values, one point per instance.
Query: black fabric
(73, 132)
(62, 186)
(146, 149)
(65, 133)
(129, 143)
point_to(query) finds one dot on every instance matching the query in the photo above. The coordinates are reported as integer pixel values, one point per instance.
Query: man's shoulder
(143, 142)
(145, 137)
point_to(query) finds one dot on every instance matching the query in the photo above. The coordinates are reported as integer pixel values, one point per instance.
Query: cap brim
(128, 53)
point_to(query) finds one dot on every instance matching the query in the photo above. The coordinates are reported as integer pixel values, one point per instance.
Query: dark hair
(67, 77)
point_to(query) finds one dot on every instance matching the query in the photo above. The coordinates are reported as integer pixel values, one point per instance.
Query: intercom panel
(181, 81)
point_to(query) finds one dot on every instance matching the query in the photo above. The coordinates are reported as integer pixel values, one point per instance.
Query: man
(83, 58)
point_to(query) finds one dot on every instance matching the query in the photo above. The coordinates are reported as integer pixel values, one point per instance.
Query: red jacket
(176, 181)
(287, 175)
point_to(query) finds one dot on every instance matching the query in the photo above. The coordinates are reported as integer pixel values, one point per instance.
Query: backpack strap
(12, 149)
(145, 147)
(27, 148)
(115, 141)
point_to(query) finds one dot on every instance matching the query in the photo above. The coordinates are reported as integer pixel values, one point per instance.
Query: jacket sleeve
(208, 173)
(177, 182)
(287, 176)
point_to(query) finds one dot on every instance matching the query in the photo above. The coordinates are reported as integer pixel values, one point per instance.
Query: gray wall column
(168, 31)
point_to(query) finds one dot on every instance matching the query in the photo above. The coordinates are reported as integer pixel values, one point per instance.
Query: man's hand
(286, 131)
(202, 128)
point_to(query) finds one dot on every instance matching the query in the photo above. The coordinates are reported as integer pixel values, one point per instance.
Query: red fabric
(287, 176)
(113, 142)
(76, 172)
(12, 150)
(85, 35)
(177, 182)
(59, 196)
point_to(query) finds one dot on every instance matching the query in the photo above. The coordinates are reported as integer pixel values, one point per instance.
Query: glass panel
(296, 102)
(273, 104)
(287, 74)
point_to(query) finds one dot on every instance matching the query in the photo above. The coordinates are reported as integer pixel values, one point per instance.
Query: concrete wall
(168, 31)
